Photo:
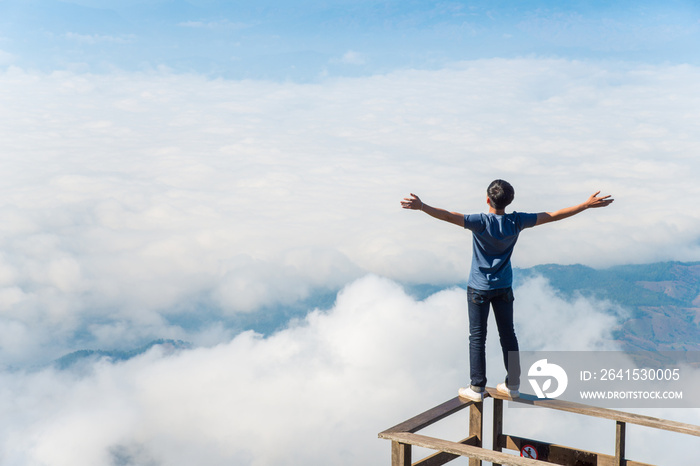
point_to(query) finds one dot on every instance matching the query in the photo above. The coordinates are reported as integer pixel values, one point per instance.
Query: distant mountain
(664, 299)
(77, 358)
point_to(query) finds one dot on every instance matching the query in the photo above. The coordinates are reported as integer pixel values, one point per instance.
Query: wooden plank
(430, 416)
(476, 427)
(604, 413)
(620, 443)
(559, 454)
(609, 460)
(441, 457)
(470, 451)
(400, 454)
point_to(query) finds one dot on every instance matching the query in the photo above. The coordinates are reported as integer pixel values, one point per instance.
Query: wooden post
(497, 425)
(476, 421)
(620, 428)
(400, 454)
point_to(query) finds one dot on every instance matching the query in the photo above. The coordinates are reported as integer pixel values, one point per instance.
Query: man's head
(500, 194)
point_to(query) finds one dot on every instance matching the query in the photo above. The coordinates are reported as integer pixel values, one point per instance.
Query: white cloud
(543, 313)
(326, 376)
(130, 197)
(330, 382)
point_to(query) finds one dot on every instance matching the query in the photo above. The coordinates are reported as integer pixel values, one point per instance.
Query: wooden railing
(404, 436)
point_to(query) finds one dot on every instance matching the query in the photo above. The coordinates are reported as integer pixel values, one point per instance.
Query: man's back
(494, 237)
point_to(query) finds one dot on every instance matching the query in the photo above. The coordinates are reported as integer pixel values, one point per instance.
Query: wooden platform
(404, 435)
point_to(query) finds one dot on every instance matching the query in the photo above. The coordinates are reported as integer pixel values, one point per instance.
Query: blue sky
(307, 40)
(172, 169)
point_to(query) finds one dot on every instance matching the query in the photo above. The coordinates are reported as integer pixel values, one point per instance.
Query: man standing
(491, 277)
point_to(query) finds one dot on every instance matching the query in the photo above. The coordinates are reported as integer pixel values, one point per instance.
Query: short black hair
(501, 193)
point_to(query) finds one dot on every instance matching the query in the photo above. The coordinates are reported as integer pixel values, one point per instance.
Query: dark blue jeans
(479, 302)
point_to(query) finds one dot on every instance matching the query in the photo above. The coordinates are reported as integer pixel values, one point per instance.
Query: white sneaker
(470, 394)
(502, 388)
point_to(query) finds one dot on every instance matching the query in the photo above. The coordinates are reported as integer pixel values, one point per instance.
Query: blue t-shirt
(494, 237)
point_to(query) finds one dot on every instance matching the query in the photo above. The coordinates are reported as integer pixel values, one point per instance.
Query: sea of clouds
(132, 201)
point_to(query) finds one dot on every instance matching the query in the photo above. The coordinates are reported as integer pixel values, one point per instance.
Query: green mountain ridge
(663, 299)
(81, 356)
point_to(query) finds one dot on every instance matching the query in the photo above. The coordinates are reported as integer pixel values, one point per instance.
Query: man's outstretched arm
(593, 202)
(414, 203)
